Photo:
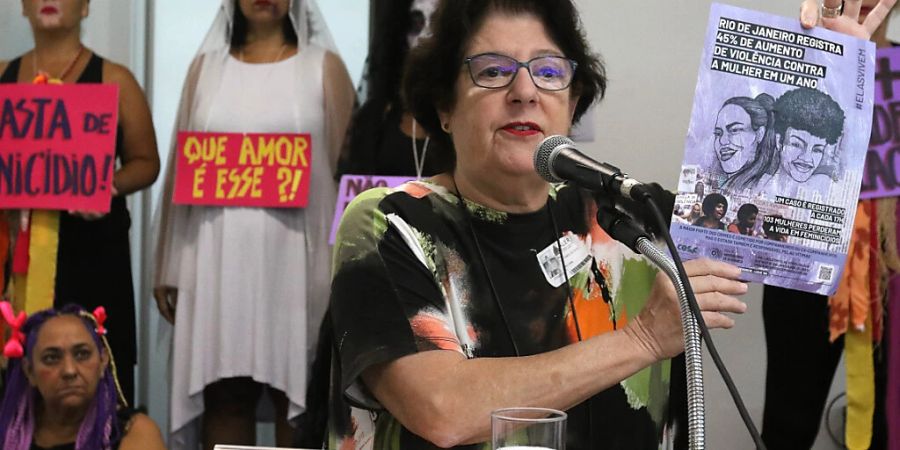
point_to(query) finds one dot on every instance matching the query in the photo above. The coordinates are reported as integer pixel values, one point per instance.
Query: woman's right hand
(848, 21)
(166, 300)
(658, 327)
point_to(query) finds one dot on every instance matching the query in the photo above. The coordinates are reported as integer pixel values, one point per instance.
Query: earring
(446, 127)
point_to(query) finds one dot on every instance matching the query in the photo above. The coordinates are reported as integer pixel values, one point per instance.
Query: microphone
(556, 160)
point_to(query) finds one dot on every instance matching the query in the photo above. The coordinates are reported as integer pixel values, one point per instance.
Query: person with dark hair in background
(91, 251)
(441, 307)
(247, 287)
(61, 390)
(746, 220)
(714, 208)
(384, 138)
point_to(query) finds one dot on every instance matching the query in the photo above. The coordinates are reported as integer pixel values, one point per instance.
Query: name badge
(574, 253)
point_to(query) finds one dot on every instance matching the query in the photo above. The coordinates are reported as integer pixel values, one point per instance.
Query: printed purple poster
(775, 150)
(353, 185)
(880, 175)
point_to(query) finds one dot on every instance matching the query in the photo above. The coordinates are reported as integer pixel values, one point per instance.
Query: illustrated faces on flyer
(734, 139)
(420, 20)
(54, 14)
(801, 153)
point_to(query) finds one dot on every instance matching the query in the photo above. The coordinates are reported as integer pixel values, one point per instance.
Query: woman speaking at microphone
(444, 299)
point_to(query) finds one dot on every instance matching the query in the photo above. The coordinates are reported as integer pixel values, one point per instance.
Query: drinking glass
(528, 429)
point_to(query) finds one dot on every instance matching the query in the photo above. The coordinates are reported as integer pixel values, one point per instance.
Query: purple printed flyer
(775, 150)
(880, 177)
(353, 185)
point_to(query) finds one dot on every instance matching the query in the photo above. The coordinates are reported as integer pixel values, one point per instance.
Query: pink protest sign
(57, 145)
(881, 177)
(353, 185)
(234, 169)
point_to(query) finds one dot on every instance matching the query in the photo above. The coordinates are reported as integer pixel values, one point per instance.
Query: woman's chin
(71, 403)
(49, 23)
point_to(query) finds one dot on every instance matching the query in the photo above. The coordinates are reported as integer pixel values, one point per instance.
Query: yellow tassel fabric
(40, 282)
(860, 387)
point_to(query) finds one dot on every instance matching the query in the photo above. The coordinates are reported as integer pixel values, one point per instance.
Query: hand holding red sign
(233, 169)
(57, 146)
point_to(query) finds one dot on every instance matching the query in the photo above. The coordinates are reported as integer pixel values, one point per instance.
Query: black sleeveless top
(124, 417)
(94, 261)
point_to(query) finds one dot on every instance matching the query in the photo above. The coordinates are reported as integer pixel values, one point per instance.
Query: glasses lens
(492, 71)
(551, 72)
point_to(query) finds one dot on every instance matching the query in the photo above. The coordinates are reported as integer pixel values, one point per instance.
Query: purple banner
(353, 185)
(880, 175)
(775, 150)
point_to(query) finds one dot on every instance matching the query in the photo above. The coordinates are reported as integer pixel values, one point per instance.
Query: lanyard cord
(562, 258)
(420, 164)
(496, 296)
(487, 273)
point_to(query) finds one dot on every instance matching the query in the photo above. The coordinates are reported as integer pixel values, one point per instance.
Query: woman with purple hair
(61, 391)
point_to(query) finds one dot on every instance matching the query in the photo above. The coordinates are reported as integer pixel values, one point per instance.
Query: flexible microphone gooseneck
(556, 160)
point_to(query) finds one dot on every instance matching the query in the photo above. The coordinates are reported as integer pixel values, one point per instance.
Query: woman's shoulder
(116, 73)
(377, 206)
(141, 432)
(374, 198)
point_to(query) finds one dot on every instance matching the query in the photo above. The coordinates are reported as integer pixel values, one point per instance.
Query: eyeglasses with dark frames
(493, 71)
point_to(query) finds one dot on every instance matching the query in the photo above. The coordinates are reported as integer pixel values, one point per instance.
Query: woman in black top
(93, 259)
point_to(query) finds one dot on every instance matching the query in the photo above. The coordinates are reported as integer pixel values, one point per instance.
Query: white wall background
(652, 50)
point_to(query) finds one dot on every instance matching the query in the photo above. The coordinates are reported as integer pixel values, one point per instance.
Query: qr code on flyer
(825, 273)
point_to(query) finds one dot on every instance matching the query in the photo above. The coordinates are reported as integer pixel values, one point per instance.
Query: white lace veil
(307, 19)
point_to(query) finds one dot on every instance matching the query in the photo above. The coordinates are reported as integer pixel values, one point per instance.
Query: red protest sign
(234, 169)
(57, 145)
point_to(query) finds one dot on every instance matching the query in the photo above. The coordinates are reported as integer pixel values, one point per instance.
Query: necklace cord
(420, 163)
(277, 56)
(65, 72)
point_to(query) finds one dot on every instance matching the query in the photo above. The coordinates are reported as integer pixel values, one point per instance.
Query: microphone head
(544, 154)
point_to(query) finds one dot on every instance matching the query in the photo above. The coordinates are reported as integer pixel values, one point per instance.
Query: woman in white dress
(251, 284)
